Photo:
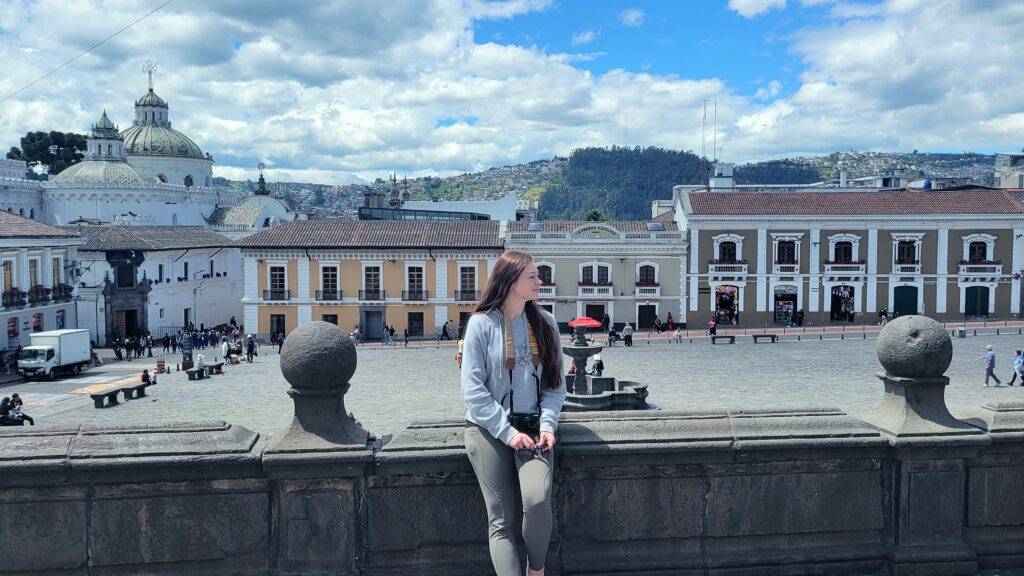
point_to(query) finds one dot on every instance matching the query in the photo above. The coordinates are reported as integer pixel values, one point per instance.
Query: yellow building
(414, 275)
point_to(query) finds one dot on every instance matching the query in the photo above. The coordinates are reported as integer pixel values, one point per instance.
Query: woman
(514, 389)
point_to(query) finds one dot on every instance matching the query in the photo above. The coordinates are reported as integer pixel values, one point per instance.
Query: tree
(54, 151)
(595, 216)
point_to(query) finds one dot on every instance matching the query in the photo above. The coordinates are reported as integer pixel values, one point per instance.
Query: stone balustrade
(908, 489)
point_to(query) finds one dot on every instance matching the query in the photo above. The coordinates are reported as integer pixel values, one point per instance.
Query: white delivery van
(54, 352)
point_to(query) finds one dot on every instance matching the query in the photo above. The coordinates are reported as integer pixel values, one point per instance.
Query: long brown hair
(506, 272)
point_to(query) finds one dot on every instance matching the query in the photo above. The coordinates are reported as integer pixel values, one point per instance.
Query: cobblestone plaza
(394, 386)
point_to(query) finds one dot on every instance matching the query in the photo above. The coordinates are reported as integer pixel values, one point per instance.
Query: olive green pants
(496, 466)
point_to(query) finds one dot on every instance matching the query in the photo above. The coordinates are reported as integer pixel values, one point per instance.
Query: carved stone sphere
(318, 355)
(914, 347)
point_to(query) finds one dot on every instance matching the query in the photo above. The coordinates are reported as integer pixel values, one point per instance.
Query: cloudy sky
(342, 90)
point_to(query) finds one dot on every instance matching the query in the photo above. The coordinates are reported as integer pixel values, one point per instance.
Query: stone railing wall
(907, 490)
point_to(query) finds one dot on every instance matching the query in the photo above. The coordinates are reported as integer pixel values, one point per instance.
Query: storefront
(785, 304)
(843, 304)
(727, 308)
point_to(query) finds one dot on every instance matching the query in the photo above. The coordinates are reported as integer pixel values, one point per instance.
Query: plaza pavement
(396, 385)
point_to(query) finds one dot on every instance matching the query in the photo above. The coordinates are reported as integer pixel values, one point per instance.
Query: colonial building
(838, 256)
(413, 275)
(156, 279)
(38, 264)
(634, 271)
(257, 212)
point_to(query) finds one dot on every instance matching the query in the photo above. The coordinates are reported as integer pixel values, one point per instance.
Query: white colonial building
(633, 271)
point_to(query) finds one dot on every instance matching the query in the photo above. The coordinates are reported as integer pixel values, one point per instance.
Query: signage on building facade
(60, 320)
(565, 301)
(12, 334)
(37, 322)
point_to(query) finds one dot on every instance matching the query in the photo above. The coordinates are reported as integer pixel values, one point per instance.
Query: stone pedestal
(930, 449)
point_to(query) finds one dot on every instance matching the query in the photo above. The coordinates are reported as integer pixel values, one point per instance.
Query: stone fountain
(587, 393)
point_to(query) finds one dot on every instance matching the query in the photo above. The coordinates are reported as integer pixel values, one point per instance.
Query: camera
(526, 423)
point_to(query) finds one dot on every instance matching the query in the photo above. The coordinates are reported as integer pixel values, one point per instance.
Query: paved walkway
(394, 386)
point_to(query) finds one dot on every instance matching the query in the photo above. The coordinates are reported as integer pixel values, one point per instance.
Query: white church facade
(157, 232)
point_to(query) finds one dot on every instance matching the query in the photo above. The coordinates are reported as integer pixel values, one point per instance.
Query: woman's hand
(522, 442)
(547, 439)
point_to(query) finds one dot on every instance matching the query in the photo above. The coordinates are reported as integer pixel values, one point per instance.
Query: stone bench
(731, 339)
(196, 373)
(109, 397)
(773, 338)
(215, 368)
(137, 391)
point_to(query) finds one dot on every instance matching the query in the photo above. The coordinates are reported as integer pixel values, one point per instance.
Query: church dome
(151, 99)
(156, 140)
(101, 172)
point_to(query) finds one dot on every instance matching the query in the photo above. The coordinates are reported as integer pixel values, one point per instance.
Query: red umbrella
(586, 322)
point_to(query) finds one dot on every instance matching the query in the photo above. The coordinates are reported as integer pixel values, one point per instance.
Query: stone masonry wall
(794, 491)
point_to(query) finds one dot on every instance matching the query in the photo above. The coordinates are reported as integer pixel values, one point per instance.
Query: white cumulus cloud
(751, 8)
(632, 17)
(584, 37)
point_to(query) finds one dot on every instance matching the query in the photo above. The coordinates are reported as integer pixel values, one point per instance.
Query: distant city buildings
(1009, 171)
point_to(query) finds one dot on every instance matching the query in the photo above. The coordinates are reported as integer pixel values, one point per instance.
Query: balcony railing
(906, 267)
(845, 268)
(277, 295)
(61, 293)
(547, 291)
(786, 268)
(594, 291)
(415, 295)
(733, 269)
(38, 295)
(329, 295)
(987, 268)
(372, 295)
(648, 291)
(466, 295)
(13, 298)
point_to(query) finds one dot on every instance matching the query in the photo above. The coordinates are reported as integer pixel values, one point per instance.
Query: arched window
(188, 181)
(174, 219)
(266, 222)
(977, 252)
(21, 211)
(647, 276)
(727, 252)
(589, 273)
(844, 252)
(110, 149)
(207, 181)
(544, 271)
(32, 213)
(162, 178)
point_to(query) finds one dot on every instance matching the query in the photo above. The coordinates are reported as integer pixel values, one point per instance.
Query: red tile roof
(570, 225)
(14, 226)
(846, 203)
(116, 237)
(349, 233)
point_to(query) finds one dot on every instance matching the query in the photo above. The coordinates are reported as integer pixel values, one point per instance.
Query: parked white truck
(51, 353)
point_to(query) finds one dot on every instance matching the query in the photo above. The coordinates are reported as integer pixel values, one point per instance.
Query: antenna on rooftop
(149, 67)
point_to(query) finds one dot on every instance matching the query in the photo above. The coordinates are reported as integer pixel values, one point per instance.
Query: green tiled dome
(151, 99)
(156, 140)
(100, 172)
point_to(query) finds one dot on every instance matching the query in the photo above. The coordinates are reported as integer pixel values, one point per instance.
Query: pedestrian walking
(250, 349)
(606, 321)
(668, 322)
(990, 366)
(149, 346)
(1018, 368)
(280, 341)
(657, 324)
(405, 337)
(510, 334)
